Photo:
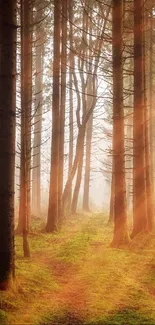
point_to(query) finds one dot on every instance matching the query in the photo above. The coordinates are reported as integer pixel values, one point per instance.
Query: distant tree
(7, 137)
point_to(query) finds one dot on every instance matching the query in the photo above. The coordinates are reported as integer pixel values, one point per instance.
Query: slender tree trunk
(26, 72)
(120, 209)
(81, 66)
(79, 173)
(89, 128)
(139, 188)
(73, 170)
(129, 163)
(111, 212)
(36, 172)
(151, 111)
(71, 134)
(52, 220)
(89, 131)
(63, 101)
(149, 187)
(26, 102)
(7, 138)
(149, 191)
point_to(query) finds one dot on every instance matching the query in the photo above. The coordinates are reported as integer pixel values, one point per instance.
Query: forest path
(74, 277)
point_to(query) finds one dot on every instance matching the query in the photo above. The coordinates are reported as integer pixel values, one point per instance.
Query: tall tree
(71, 69)
(111, 210)
(63, 99)
(139, 186)
(89, 132)
(36, 172)
(53, 210)
(151, 111)
(120, 208)
(89, 128)
(26, 102)
(149, 181)
(7, 137)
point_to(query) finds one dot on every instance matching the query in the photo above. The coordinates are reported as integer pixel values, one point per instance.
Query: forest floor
(75, 278)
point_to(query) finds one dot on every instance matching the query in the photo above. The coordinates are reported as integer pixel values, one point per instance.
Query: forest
(77, 162)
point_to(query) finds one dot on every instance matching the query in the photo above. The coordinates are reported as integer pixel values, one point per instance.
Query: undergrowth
(74, 277)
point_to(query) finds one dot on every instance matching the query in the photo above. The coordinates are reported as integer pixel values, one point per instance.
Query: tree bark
(36, 172)
(7, 138)
(149, 181)
(151, 110)
(52, 221)
(139, 186)
(26, 102)
(63, 101)
(89, 131)
(71, 134)
(79, 172)
(120, 209)
(111, 211)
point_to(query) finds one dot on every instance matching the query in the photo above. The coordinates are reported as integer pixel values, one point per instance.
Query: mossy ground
(74, 277)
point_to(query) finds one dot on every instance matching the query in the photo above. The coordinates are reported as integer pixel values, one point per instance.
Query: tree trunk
(7, 138)
(149, 181)
(52, 221)
(89, 131)
(79, 172)
(120, 210)
(63, 101)
(139, 188)
(71, 134)
(111, 212)
(129, 162)
(73, 170)
(36, 172)
(151, 110)
(89, 128)
(149, 192)
(26, 102)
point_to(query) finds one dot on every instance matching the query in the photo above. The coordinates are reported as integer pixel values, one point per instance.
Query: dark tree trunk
(52, 221)
(139, 188)
(120, 209)
(7, 138)
(26, 102)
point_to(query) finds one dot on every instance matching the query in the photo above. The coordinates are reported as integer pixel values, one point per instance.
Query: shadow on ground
(126, 316)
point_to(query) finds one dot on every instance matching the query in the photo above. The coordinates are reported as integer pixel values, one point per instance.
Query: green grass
(74, 277)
